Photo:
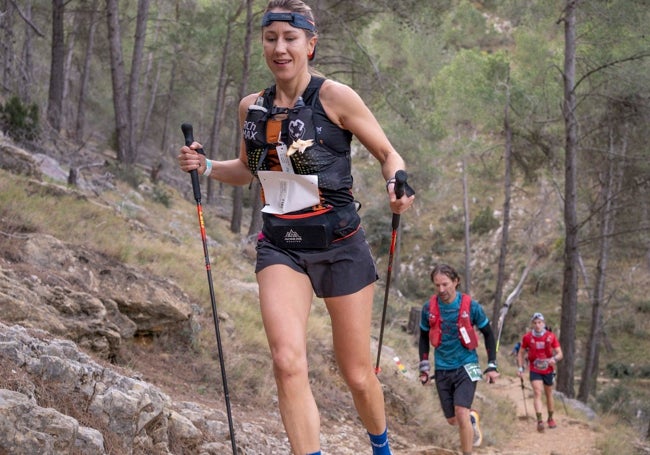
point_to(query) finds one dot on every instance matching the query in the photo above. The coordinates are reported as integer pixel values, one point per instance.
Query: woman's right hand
(189, 159)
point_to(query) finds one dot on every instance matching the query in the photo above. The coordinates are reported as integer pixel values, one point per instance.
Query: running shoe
(540, 426)
(551, 423)
(478, 436)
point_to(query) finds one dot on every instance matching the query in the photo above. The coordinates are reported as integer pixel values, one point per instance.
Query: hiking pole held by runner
(189, 139)
(400, 187)
(523, 392)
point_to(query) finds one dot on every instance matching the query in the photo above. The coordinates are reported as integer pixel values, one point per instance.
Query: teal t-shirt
(451, 354)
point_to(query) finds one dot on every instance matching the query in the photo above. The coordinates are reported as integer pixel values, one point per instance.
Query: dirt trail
(573, 435)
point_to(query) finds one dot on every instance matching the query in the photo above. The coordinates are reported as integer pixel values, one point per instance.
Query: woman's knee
(359, 380)
(288, 364)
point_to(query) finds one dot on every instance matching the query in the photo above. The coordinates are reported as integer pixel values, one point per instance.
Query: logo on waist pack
(292, 237)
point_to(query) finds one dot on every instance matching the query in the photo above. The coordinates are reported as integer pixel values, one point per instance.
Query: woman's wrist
(208, 167)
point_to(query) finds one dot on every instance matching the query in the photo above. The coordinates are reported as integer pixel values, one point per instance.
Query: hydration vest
(466, 332)
(330, 155)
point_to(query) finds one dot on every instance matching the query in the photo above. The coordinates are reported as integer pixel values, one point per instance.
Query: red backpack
(466, 331)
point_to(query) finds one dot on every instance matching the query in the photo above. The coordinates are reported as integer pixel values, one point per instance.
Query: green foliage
(619, 370)
(19, 120)
(162, 195)
(465, 27)
(614, 397)
(484, 222)
(470, 89)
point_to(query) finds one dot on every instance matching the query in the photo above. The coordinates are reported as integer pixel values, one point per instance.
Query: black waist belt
(311, 231)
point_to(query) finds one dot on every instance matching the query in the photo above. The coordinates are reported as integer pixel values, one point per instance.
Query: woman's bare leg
(351, 319)
(285, 310)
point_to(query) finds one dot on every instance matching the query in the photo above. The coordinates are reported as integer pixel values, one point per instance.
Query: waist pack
(311, 230)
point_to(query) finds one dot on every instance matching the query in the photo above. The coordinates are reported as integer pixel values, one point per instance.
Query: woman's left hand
(398, 206)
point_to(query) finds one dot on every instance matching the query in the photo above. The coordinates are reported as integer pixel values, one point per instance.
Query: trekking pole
(523, 392)
(189, 138)
(400, 183)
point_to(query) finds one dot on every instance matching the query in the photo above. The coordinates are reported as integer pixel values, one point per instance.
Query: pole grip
(400, 185)
(188, 132)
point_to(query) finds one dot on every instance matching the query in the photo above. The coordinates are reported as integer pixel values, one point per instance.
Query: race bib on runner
(541, 364)
(285, 192)
(474, 371)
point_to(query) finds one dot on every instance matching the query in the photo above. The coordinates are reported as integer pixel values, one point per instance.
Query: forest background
(523, 124)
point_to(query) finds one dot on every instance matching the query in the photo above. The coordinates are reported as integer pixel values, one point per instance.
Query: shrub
(18, 120)
(484, 222)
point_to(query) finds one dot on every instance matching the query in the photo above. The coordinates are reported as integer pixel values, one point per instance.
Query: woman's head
(288, 15)
(446, 281)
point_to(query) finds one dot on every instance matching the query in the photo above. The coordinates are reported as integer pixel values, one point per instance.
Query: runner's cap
(539, 316)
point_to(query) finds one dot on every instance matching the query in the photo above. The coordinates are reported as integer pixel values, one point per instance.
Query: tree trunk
(507, 191)
(25, 89)
(167, 106)
(612, 184)
(468, 273)
(537, 253)
(67, 107)
(7, 45)
(85, 73)
(55, 93)
(118, 77)
(153, 65)
(570, 283)
(222, 85)
(134, 80)
(238, 199)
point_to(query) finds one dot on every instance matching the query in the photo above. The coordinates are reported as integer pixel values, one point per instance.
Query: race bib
(541, 364)
(474, 371)
(285, 192)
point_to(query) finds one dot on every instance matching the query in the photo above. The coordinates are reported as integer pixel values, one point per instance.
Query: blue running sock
(314, 453)
(379, 443)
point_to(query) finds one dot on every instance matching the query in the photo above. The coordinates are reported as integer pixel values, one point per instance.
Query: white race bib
(285, 192)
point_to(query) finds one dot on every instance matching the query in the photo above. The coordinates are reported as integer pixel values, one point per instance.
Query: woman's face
(286, 49)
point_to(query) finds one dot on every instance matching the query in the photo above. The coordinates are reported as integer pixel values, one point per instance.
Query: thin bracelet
(208, 167)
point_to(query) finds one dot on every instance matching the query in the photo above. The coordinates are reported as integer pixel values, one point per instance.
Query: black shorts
(547, 379)
(455, 388)
(343, 268)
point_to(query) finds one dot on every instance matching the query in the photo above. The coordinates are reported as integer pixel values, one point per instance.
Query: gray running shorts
(343, 268)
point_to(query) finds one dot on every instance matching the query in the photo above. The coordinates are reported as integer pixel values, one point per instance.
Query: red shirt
(540, 350)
